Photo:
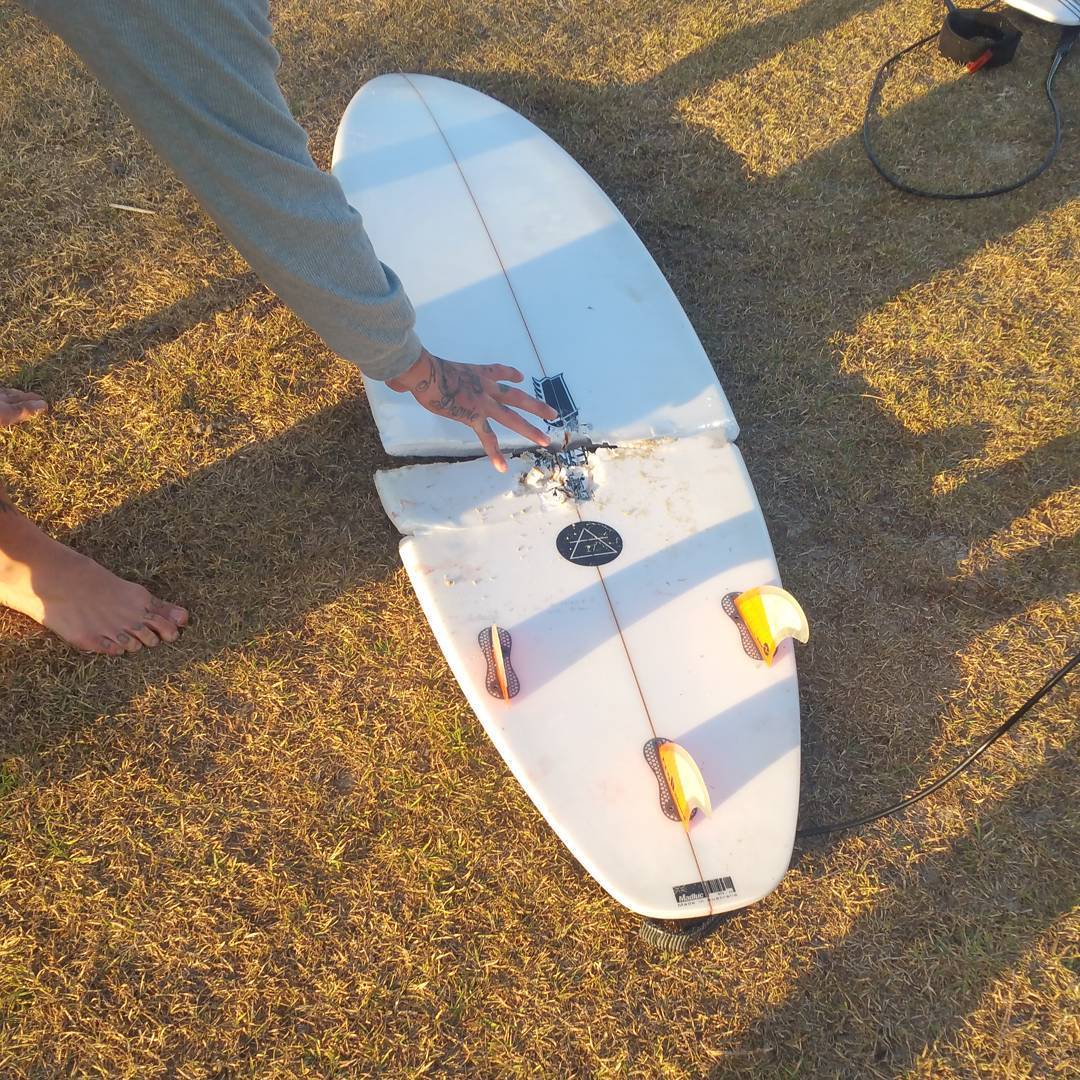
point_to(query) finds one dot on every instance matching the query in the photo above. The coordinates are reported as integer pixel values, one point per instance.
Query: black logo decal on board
(589, 543)
(554, 392)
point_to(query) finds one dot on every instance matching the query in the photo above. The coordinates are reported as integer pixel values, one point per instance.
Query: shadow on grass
(924, 955)
(135, 340)
(250, 545)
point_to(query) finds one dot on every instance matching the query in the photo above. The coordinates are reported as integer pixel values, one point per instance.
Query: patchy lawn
(284, 847)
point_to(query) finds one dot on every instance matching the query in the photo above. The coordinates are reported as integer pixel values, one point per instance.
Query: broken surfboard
(591, 601)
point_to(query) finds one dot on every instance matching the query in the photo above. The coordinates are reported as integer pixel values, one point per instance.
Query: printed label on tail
(697, 892)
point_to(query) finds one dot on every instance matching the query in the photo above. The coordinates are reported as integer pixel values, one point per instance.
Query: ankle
(18, 536)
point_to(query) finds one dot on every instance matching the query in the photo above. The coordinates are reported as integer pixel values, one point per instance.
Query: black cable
(1065, 44)
(821, 830)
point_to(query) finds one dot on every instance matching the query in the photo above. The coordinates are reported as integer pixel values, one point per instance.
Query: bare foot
(76, 598)
(17, 406)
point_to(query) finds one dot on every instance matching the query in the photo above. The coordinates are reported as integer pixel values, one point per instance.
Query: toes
(101, 645)
(178, 616)
(166, 629)
(33, 403)
(145, 633)
(128, 642)
(16, 413)
(104, 645)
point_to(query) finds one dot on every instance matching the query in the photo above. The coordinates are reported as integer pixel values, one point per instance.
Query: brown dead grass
(284, 847)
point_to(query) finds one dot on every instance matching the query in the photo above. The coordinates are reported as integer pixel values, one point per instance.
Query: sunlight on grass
(985, 346)
(809, 93)
(284, 847)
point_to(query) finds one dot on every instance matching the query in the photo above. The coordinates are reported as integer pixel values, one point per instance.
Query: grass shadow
(253, 509)
(942, 930)
(137, 339)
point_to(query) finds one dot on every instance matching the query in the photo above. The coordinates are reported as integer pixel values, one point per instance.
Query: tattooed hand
(15, 406)
(473, 394)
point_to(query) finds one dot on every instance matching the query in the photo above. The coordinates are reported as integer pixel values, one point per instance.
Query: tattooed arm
(474, 395)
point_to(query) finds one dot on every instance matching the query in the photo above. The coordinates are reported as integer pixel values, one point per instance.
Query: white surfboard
(583, 600)
(1062, 12)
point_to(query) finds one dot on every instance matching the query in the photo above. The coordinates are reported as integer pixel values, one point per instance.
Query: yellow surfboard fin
(684, 781)
(771, 614)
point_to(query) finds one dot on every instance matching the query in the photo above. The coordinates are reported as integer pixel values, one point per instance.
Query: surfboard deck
(511, 254)
(606, 568)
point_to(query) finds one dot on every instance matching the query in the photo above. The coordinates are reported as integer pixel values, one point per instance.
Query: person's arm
(199, 81)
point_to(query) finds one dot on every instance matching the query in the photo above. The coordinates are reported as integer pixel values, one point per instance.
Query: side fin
(769, 614)
(501, 680)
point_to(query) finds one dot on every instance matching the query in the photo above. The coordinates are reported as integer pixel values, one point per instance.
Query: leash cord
(980, 749)
(1065, 44)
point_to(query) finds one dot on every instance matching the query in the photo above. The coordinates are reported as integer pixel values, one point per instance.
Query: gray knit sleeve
(198, 78)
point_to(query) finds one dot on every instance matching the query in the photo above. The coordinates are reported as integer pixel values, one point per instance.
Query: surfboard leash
(978, 751)
(976, 38)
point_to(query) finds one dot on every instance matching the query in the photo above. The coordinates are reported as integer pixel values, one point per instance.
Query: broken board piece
(613, 602)
(511, 254)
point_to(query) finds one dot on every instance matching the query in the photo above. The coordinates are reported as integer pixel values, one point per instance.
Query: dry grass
(284, 847)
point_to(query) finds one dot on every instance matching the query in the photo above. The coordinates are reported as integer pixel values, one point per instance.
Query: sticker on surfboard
(589, 543)
(697, 892)
(553, 391)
